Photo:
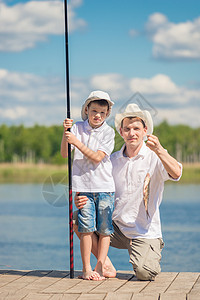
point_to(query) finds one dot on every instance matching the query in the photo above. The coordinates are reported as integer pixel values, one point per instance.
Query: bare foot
(96, 276)
(87, 275)
(92, 275)
(108, 269)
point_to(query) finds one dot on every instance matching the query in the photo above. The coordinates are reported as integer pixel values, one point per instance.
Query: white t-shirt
(86, 175)
(129, 175)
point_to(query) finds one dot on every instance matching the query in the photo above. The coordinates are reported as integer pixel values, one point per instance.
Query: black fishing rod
(69, 148)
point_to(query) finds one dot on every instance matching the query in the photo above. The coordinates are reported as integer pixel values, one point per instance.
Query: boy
(93, 142)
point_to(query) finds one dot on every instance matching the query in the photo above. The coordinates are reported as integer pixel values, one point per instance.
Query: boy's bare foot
(91, 275)
(97, 277)
(87, 275)
(108, 269)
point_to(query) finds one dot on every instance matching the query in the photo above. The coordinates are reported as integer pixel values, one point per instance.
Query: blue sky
(150, 47)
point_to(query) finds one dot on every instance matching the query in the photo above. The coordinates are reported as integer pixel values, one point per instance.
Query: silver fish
(146, 193)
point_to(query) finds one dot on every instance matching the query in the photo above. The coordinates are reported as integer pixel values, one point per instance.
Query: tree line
(42, 144)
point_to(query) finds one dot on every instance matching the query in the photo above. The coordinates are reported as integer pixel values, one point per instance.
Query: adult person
(139, 170)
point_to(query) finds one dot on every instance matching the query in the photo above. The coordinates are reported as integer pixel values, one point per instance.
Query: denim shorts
(96, 215)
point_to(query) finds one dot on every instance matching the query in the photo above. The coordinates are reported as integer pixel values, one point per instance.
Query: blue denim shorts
(96, 215)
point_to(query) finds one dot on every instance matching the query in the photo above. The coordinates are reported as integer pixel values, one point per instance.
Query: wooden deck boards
(56, 285)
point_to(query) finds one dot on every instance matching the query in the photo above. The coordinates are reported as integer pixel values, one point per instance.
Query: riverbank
(30, 173)
(39, 173)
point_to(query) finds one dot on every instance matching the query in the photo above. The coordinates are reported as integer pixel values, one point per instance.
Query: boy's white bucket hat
(96, 95)
(133, 110)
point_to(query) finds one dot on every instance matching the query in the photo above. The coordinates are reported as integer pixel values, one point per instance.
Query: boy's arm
(64, 146)
(170, 164)
(94, 156)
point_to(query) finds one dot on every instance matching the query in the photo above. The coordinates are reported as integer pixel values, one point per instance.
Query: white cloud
(183, 115)
(25, 24)
(28, 88)
(30, 99)
(159, 84)
(174, 41)
(115, 84)
(13, 113)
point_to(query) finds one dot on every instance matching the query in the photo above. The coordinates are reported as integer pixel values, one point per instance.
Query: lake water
(34, 230)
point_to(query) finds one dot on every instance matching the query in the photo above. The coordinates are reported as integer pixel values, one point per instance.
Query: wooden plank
(144, 296)
(177, 296)
(36, 296)
(108, 285)
(43, 282)
(3, 295)
(65, 297)
(61, 286)
(91, 297)
(118, 296)
(85, 286)
(112, 284)
(24, 280)
(183, 282)
(14, 275)
(193, 297)
(161, 283)
(195, 291)
(56, 285)
(13, 295)
(132, 286)
(121, 274)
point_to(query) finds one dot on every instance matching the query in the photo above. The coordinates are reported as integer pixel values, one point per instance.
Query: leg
(104, 209)
(145, 256)
(86, 227)
(86, 246)
(108, 269)
(104, 242)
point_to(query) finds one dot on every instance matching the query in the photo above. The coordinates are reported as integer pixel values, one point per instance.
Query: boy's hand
(67, 123)
(70, 137)
(80, 201)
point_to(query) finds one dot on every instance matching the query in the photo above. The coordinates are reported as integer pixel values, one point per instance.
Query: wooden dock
(56, 285)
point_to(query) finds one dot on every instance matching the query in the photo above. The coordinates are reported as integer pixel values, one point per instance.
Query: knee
(75, 228)
(143, 274)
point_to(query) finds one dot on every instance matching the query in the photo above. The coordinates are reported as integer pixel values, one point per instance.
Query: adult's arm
(170, 163)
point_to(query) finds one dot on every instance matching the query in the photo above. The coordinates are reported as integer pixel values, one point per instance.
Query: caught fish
(146, 193)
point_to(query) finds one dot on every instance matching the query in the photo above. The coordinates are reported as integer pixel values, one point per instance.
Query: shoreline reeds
(39, 173)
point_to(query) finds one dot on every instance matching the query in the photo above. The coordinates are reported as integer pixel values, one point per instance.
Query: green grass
(191, 174)
(30, 173)
(25, 173)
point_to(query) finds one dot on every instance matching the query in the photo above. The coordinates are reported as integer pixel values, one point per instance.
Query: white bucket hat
(96, 95)
(133, 110)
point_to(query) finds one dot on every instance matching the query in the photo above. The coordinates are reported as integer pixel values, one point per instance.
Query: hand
(67, 123)
(80, 201)
(153, 143)
(70, 137)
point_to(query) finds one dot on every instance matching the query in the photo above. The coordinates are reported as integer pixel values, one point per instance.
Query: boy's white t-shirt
(86, 175)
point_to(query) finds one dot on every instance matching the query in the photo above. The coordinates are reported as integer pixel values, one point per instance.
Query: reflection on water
(34, 234)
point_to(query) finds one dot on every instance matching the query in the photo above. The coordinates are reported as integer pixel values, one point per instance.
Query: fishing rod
(69, 147)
